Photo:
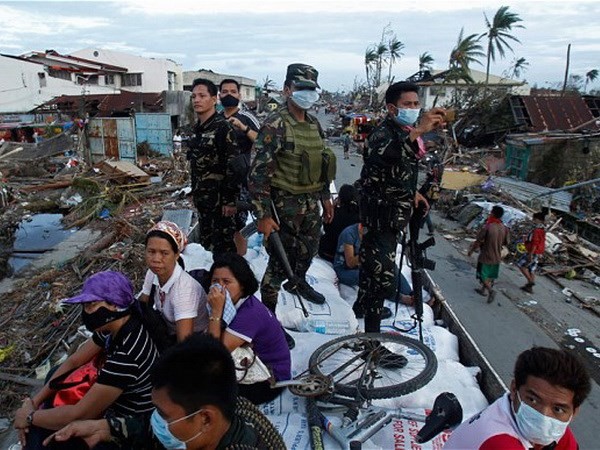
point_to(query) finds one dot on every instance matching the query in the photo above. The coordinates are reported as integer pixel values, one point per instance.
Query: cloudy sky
(259, 38)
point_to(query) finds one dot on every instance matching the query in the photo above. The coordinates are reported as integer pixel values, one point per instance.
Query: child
(535, 243)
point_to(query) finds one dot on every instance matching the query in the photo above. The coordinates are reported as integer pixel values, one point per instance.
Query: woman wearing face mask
(176, 294)
(253, 323)
(110, 311)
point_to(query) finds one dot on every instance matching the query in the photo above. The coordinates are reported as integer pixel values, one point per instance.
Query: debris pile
(122, 201)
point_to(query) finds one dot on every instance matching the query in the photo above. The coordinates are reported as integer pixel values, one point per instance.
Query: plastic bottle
(327, 326)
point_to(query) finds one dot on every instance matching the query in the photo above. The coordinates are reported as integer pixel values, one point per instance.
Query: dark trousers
(259, 393)
(377, 276)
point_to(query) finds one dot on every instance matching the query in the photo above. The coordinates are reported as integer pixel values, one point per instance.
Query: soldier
(290, 176)
(388, 192)
(246, 129)
(214, 187)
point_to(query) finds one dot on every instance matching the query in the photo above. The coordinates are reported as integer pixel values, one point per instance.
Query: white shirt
(184, 298)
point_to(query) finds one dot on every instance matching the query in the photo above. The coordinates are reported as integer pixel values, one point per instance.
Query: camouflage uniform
(388, 185)
(210, 153)
(297, 206)
(245, 146)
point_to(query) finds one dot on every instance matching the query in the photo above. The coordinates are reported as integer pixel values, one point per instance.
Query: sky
(259, 38)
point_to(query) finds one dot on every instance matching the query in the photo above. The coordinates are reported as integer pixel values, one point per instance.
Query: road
(516, 321)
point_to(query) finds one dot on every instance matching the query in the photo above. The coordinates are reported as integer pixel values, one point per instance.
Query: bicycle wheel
(374, 365)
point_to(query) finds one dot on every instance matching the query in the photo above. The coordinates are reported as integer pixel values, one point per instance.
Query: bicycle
(348, 373)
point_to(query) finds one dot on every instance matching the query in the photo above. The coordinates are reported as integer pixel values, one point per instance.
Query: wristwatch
(247, 129)
(30, 418)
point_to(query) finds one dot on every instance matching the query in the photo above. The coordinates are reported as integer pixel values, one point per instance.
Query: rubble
(117, 198)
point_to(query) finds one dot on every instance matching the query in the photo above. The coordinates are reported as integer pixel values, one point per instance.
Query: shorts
(527, 263)
(487, 271)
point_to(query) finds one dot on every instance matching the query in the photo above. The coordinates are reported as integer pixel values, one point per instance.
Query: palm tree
(590, 76)
(498, 36)
(370, 61)
(394, 52)
(381, 51)
(268, 84)
(518, 66)
(425, 61)
(467, 51)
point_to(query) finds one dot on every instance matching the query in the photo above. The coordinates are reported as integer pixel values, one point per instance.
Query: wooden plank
(123, 168)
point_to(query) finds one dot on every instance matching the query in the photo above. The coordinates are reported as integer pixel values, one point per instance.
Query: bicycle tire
(420, 368)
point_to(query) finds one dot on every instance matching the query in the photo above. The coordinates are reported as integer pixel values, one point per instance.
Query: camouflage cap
(302, 75)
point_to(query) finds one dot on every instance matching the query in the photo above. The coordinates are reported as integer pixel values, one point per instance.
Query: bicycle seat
(446, 413)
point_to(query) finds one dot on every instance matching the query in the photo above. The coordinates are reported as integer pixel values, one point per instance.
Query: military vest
(299, 167)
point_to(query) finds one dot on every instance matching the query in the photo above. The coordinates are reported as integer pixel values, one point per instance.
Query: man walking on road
(547, 390)
(290, 176)
(490, 239)
(389, 191)
(246, 129)
(214, 187)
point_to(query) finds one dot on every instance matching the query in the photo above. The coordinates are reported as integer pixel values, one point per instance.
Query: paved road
(514, 322)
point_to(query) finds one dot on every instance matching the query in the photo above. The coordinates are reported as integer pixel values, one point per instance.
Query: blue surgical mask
(407, 116)
(160, 428)
(305, 99)
(538, 428)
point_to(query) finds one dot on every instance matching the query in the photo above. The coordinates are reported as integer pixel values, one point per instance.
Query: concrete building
(247, 85)
(142, 74)
(436, 89)
(26, 85)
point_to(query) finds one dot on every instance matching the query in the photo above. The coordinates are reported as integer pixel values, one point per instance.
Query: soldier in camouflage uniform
(388, 191)
(292, 171)
(213, 184)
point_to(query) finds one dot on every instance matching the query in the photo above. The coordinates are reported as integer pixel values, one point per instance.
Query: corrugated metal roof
(556, 113)
(525, 192)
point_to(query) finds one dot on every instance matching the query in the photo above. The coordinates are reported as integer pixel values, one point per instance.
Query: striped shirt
(129, 359)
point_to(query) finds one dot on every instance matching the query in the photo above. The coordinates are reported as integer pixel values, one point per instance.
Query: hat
(173, 230)
(302, 75)
(109, 286)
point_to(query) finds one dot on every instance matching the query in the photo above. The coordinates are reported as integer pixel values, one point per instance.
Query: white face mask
(538, 428)
(305, 99)
(407, 116)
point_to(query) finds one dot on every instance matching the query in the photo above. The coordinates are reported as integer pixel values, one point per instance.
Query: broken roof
(106, 104)
(539, 113)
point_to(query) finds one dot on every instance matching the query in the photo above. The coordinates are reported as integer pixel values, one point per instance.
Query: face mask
(407, 116)
(160, 428)
(229, 101)
(305, 99)
(101, 317)
(538, 428)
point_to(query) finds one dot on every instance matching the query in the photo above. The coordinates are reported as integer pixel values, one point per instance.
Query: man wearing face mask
(246, 129)
(290, 177)
(197, 406)
(388, 195)
(123, 388)
(214, 187)
(548, 388)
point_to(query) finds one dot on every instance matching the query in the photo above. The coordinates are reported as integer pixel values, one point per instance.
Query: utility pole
(566, 70)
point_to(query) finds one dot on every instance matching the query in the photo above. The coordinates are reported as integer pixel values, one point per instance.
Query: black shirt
(129, 359)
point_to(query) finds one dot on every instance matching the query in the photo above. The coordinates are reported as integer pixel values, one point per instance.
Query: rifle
(293, 279)
(417, 260)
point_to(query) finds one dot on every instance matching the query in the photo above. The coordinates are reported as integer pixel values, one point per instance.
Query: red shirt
(495, 428)
(536, 241)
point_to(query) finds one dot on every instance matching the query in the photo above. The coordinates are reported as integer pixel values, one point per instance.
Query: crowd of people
(190, 383)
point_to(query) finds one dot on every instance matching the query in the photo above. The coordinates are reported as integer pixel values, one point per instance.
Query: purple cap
(109, 286)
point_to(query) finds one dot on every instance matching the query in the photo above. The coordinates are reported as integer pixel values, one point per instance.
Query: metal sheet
(525, 192)
(556, 113)
(156, 130)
